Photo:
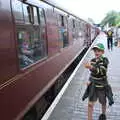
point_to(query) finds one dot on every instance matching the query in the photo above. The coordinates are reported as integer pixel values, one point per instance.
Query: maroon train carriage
(38, 41)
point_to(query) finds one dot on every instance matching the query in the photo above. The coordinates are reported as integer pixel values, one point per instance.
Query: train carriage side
(34, 50)
(8, 63)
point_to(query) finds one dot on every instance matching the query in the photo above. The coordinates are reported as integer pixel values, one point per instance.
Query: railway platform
(68, 105)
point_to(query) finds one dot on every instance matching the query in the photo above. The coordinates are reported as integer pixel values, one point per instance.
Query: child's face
(98, 53)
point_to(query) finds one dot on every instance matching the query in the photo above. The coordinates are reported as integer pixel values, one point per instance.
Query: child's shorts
(100, 95)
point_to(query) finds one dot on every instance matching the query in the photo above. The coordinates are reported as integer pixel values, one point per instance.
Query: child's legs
(91, 103)
(103, 108)
(108, 43)
(102, 100)
(111, 43)
(90, 110)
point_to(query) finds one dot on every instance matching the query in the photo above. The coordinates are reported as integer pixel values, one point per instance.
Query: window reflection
(25, 51)
(31, 48)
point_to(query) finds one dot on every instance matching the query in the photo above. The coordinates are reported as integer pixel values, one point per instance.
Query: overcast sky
(95, 9)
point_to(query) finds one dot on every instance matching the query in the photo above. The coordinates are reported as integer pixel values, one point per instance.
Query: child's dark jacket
(91, 89)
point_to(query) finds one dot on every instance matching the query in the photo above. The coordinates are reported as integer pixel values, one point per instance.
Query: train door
(30, 33)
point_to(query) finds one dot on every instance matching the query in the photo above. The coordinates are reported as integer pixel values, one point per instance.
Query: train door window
(17, 10)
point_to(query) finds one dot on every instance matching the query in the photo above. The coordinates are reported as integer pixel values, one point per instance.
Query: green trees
(112, 19)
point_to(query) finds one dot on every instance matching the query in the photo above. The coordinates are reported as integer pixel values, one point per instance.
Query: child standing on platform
(98, 87)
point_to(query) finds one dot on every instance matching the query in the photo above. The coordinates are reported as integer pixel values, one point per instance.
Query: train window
(31, 47)
(24, 12)
(35, 11)
(80, 25)
(42, 25)
(17, 10)
(28, 13)
(61, 20)
(41, 16)
(73, 23)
